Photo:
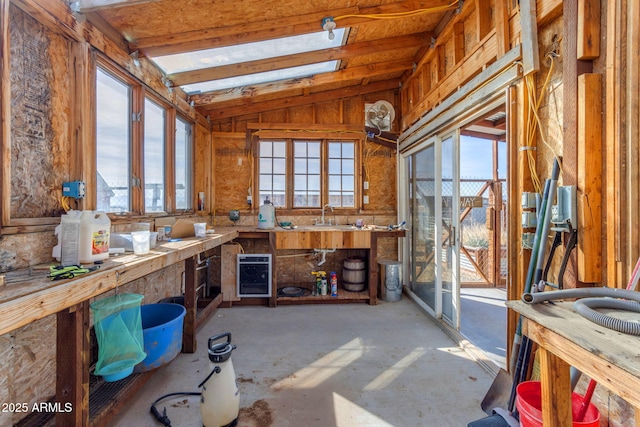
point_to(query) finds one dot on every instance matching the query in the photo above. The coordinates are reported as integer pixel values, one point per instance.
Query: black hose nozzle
(163, 419)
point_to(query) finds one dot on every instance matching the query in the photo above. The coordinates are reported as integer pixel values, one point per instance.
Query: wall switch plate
(365, 199)
(366, 185)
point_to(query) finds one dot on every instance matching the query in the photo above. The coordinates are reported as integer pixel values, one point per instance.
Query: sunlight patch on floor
(389, 375)
(348, 414)
(325, 367)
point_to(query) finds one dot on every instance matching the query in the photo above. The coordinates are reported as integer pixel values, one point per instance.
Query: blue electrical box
(73, 189)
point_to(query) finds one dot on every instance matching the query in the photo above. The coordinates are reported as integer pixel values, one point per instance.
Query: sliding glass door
(433, 195)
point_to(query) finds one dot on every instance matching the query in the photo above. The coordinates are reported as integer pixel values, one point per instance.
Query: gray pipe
(534, 298)
(585, 308)
(630, 302)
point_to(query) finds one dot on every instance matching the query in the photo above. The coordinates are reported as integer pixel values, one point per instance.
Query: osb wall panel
(24, 250)
(551, 106)
(40, 105)
(378, 161)
(25, 351)
(232, 174)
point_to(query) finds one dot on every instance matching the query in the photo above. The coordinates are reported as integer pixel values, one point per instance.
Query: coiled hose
(596, 298)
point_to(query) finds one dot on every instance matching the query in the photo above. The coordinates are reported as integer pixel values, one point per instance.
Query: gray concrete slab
(327, 365)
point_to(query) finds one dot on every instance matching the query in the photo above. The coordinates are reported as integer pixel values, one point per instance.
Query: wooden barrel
(354, 274)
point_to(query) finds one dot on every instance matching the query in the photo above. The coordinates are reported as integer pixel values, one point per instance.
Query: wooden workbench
(28, 295)
(565, 339)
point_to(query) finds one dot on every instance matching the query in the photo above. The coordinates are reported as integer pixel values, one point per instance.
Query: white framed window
(113, 143)
(154, 156)
(183, 178)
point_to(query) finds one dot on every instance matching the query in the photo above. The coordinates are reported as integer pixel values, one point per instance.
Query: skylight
(190, 61)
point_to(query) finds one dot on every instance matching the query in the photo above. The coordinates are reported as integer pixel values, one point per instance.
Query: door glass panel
(448, 230)
(423, 208)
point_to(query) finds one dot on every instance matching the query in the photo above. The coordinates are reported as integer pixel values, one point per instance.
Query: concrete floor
(327, 365)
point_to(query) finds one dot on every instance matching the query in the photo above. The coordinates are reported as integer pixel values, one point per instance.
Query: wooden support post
(5, 114)
(72, 365)
(588, 29)
(529, 30)
(571, 69)
(556, 390)
(589, 178)
(483, 14)
(373, 269)
(273, 301)
(189, 343)
(501, 14)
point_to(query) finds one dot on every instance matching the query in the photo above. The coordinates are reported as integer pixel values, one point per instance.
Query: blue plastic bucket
(162, 331)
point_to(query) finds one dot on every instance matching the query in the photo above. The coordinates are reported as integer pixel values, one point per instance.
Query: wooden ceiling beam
(250, 108)
(92, 5)
(356, 74)
(234, 34)
(484, 135)
(281, 62)
(168, 44)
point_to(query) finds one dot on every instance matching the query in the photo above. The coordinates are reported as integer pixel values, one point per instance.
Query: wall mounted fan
(380, 115)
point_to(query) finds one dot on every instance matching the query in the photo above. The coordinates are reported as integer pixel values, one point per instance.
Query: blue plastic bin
(162, 331)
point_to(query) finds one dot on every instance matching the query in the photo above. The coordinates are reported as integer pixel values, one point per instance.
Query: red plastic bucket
(529, 405)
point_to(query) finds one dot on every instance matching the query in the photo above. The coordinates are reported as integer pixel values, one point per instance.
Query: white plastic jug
(67, 251)
(266, 216)
(95, 227)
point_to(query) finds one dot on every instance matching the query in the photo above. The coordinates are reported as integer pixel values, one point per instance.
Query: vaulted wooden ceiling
(376, 55)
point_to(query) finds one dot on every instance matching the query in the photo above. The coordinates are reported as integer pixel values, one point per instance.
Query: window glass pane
(279, 166)
(280, 149)
(113, 153)
(154, 130)
(314, 149)
(347, 167)
(314, 166)
(300, 166)
(300, 149)
(183, 160)
(266, 148)
(265, 183)
(347, 183)
(314, 183)
(335, 166)
(335, 150)
(279, 183)
(348, 151)
(266, 166)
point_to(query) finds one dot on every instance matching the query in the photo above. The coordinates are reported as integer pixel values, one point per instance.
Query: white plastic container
(266, 216)
(141, 243)
(95, 227)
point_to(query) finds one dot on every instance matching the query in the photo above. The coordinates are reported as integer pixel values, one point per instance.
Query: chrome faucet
(330, 207)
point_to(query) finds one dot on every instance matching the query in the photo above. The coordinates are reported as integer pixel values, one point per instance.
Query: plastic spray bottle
(334, 284)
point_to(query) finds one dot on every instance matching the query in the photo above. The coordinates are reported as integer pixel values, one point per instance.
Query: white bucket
(95, 227)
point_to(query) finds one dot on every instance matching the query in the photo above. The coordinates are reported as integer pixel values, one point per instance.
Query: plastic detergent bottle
(95, 229)
(266, 216)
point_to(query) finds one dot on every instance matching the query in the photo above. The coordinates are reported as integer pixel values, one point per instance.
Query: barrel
(354, 274)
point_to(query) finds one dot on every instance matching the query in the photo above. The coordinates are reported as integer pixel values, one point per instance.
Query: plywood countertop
(28, 295)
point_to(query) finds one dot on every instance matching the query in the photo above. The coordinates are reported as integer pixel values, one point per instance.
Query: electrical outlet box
(529, 200)
(365, 200)
(249, 201)
(529, 219)
(564, 213)
(73, 189)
